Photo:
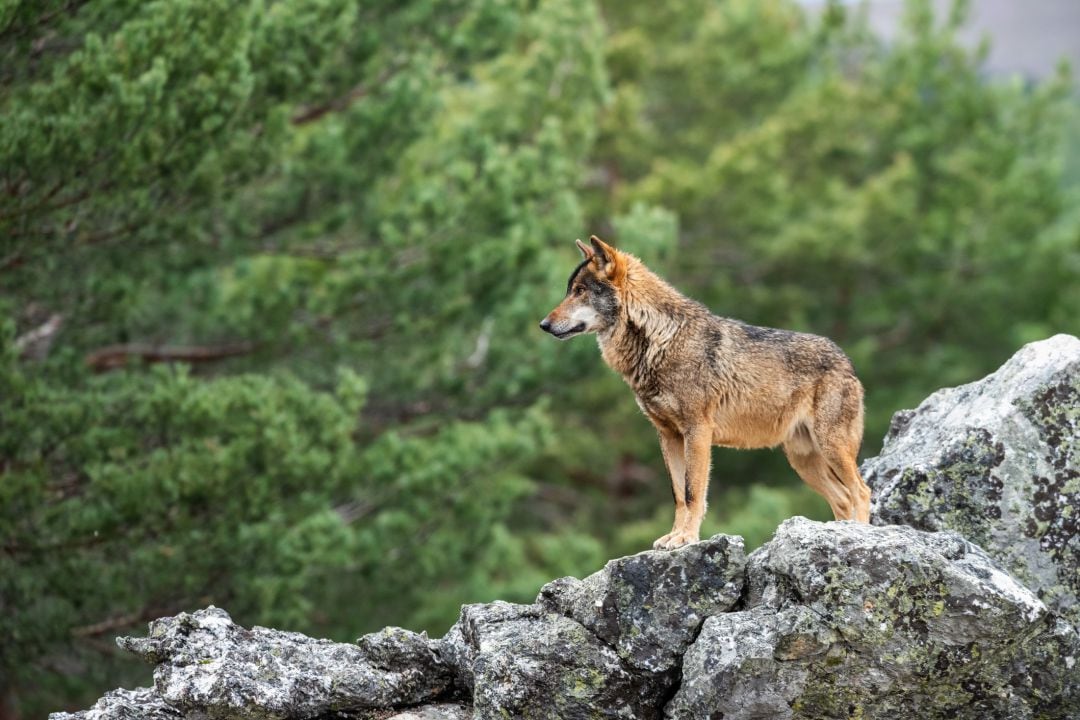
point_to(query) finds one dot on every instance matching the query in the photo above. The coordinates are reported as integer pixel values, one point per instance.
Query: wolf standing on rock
(704, 380)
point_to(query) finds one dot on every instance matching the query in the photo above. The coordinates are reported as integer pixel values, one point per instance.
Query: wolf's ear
(609, 261)
(604, 252)
(586, 251)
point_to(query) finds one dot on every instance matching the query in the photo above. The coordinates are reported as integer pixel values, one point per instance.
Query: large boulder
(846, 620)
(523, 661)
(997, 461)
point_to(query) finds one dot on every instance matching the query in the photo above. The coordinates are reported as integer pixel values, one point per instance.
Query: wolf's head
(592, 293)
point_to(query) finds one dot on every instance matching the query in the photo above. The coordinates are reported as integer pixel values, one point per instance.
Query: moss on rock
(998, 461)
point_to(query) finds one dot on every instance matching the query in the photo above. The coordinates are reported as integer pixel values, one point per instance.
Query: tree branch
(43, 19)
(13, 260)
(115, 356)
(310, 114)
(117, 622)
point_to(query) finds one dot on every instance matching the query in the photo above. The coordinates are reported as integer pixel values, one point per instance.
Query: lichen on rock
(440, 711)
(606, 646)
(525, 662)
(844, 620)
(997, 461)
(650, 605)
(206, 663)
(138, 704)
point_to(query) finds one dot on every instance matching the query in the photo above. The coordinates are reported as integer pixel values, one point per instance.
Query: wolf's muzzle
(564, 332)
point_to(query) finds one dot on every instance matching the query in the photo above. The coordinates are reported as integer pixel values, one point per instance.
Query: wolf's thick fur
(704, 380)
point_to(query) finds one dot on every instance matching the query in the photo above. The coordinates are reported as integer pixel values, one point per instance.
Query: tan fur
(704, 380)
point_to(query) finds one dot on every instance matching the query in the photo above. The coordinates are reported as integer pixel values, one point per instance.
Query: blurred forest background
(271, 271)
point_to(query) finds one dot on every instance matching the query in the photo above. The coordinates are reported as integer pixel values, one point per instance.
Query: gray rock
(739, 666)
(847, 620)
(442, 711)
(650, 606)
(525, 662)
(605, 646)
(998, 461)
(208, 664)
(138, 704)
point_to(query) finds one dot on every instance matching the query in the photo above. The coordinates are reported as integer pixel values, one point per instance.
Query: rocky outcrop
(608, 646)
(208, 666)
(826, 620)
(908, 618)
(842, 620)
(997, 461)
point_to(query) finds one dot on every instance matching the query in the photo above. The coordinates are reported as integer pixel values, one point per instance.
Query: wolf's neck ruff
(652, 313)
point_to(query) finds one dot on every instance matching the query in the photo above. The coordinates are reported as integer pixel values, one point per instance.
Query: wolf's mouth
(580, 327)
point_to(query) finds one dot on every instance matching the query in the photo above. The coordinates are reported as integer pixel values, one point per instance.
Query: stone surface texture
(649, 606)
(844, 620)
(997, 461)
(608, 646)
(208, 664)
(960, 602)
(442, 711)
(138, 704)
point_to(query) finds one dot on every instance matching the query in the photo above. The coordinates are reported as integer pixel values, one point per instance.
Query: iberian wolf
(704, 380)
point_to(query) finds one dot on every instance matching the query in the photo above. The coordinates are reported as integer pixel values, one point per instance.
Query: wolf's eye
(579, 290)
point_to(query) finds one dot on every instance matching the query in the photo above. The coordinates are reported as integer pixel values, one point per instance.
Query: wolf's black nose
(545, 325)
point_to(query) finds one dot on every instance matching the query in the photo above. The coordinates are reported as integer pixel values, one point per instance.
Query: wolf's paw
(675, 539)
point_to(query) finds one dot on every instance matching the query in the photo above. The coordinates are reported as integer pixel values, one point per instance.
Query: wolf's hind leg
(814, 471)
(842, 466)
(837, 432)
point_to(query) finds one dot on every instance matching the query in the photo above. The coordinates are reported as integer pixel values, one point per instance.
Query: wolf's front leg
(697, 454)
(672, 447)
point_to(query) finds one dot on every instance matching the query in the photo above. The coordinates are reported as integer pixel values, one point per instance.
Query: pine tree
(887, 196)
(353, 210)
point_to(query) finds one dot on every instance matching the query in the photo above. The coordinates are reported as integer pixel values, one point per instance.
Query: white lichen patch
(1032, 606)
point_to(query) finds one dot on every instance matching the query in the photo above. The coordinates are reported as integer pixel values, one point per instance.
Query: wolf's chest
(661, 409)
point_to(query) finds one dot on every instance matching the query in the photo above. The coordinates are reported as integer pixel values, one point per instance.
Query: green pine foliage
(885, 196)
(136, 496)
(374, 203)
